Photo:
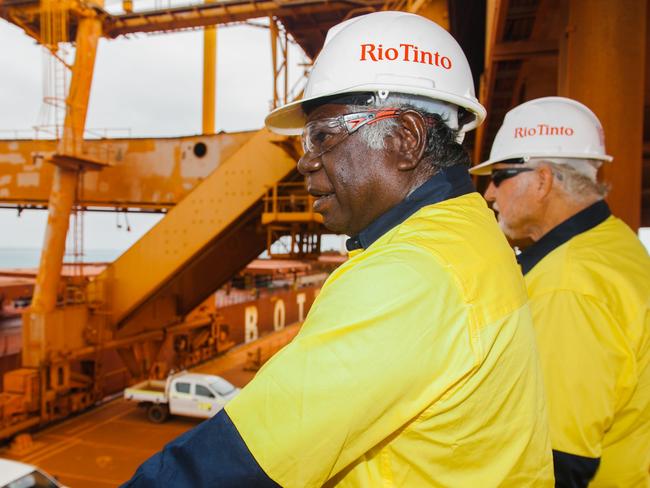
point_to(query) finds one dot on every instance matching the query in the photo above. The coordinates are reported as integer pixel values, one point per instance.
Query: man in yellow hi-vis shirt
(588, 278)
(416, 365)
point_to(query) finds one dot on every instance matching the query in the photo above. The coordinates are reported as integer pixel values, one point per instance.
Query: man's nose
(308, 164)
(490, 193)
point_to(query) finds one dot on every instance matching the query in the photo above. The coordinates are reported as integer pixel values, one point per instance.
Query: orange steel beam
(507, 51)
(495, 23)
(151, 174)
(65, 180)
(218, 13)
(209, 79)
(279, 61)
(25, 14)
(605, 56)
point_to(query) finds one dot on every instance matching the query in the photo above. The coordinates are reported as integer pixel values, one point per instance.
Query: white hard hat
(551, 127)
(386, 52)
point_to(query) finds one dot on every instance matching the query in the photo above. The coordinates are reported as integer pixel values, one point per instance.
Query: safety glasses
(500, 175)
(321, 136)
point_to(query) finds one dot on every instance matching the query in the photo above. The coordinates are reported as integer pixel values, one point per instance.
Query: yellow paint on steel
(26, 14)
(53, 335)
(49, 272)
(279, 62)
(141, 173)
(289, 202)
(210, 208)
(54, 23)
(65, 180)
(436, 10)
(209, 79)
(192, 16)
(291, 217)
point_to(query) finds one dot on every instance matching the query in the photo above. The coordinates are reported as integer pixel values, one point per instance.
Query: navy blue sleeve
(211, 454)
(573, 471)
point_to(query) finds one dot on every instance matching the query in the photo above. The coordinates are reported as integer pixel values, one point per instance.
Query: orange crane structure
(213, 222)
(241, 192)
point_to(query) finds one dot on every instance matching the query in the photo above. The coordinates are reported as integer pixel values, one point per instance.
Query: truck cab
(187, 394)
(199, 395)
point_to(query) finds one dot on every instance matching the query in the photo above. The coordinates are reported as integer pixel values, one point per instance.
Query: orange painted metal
(289, 202)
(45, 321)
(213, 329)
(150, 174)
(609, 38)
(209, 79)
(103, 447)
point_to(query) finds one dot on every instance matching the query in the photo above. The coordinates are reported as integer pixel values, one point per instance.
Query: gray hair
(577, 178)
(374, 135)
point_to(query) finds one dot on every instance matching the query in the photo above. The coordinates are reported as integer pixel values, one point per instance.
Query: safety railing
(289, 202)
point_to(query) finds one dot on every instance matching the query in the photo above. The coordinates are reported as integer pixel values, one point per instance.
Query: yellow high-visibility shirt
(590, 298)
(416, 366)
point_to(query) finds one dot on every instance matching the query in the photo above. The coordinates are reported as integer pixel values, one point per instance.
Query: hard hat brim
(485, 168)
(290, 118)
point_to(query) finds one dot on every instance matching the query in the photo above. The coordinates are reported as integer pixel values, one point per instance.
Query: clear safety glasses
(321, 136)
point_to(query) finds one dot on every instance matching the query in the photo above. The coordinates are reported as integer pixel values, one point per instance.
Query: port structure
(213, 223)
(291, 223)
(244, 195)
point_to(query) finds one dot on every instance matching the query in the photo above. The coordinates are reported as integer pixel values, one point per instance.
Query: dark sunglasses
(500, 175)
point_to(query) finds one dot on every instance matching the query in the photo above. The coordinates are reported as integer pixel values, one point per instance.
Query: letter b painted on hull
(250, 320)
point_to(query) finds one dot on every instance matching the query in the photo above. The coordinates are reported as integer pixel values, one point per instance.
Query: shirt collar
(581, 222)
(447, 183)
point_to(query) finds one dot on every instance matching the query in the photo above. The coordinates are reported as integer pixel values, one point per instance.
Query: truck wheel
(157, 413)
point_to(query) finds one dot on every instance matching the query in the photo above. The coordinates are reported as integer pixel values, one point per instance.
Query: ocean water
(14, 257)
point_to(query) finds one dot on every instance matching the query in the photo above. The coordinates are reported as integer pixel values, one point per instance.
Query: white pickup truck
(188, 394)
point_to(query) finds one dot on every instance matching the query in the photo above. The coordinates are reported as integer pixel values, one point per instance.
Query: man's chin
(511, 233)
(332, 224)
(334, 228)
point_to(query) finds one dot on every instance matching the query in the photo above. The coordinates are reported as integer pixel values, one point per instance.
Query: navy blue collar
(581, 222)
(447, 183)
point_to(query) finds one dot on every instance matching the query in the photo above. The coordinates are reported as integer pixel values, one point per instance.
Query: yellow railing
(289, 202)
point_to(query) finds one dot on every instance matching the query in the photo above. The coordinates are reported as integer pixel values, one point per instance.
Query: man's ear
(411, 140)
(545, 181)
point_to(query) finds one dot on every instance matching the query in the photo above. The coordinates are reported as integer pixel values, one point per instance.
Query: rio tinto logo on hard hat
(404, 52)
(543, 130)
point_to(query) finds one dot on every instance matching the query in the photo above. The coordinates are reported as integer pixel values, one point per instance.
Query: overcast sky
(149, 84)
